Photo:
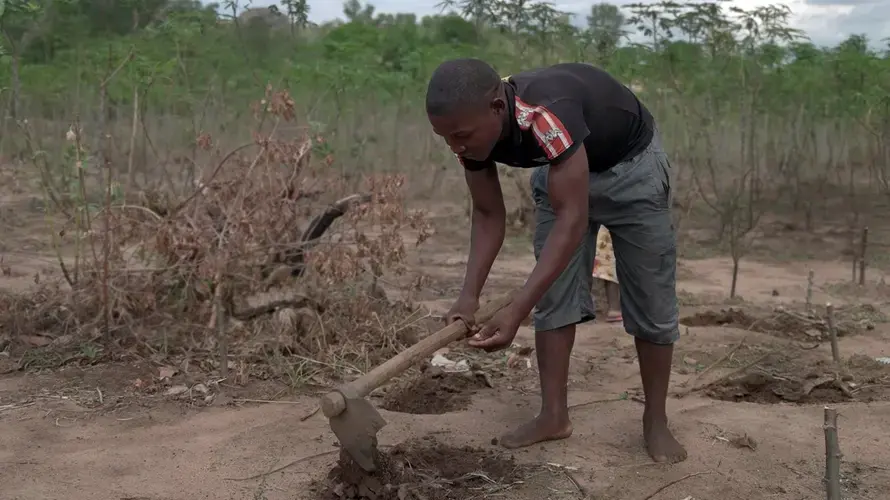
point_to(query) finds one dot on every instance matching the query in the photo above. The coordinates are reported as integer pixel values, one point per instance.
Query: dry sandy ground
(52, 446)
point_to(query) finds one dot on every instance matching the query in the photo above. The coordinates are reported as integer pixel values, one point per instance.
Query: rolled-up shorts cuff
(669, 337)
(555, 321)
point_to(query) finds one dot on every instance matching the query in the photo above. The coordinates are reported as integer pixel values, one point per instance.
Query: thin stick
(285, 466)
(727, 376)
(687, 476)
(581, 489)
(597, 401)
(310, 414)
(270, 401)
(720, 361)
(267, 401)
(832, 477)
(810, 277)
(291, 464)
(832, 333)
(863, 246)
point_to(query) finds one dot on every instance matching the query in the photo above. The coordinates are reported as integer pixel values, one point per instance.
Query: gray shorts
(633, 201)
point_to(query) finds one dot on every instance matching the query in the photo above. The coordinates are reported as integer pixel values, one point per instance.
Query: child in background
(604, 269)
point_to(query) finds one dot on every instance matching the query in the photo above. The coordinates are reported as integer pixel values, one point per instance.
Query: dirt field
(750, 381)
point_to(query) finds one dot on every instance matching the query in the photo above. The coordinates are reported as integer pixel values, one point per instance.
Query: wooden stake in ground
(863, 246)
(810, 277)
(832, 477)
(832, 333)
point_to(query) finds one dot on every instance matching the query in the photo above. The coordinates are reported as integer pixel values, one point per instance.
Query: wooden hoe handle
(333, 403)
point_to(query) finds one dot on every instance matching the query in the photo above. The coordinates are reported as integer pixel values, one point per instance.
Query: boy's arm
(560, 130)
(488, 224)
(567, 187)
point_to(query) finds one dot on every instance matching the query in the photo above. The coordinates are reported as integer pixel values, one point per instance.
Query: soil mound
(420, 470)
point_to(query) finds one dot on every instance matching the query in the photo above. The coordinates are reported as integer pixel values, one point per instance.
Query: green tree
(605, 29)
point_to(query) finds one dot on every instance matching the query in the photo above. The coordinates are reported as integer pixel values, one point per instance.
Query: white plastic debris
(884, 361)
(448, 365)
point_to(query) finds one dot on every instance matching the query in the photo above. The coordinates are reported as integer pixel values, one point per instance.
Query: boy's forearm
(486, 238)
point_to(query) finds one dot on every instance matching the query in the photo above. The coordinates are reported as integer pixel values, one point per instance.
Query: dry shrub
(155, 272)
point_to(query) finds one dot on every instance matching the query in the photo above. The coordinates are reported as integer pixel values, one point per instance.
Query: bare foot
(661, 443)
(536, 431)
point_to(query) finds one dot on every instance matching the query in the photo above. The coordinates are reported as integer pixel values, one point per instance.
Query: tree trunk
(735, 275)
(14, 99)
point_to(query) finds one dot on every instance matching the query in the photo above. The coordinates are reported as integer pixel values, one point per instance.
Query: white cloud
(826, 22)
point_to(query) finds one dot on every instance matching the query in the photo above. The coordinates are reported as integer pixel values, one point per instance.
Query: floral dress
(604, 263)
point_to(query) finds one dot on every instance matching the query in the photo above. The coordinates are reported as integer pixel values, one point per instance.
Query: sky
(826, 22)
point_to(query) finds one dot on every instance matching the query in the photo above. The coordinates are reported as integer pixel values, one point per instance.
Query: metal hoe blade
(356, 429)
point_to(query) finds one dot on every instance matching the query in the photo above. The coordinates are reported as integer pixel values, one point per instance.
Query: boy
(598, 161)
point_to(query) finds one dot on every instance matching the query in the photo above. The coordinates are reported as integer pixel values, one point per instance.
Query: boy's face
(472, 132)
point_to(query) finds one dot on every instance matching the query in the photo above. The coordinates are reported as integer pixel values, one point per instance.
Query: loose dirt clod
(420, 469)
(435, 392)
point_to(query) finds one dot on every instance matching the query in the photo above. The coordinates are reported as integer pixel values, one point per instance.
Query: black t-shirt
(556, 108)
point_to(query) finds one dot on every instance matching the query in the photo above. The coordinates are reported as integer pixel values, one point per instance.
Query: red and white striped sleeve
(559, 127)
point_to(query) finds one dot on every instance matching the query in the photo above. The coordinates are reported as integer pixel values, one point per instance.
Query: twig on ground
(668, 485)
(310, 414)
(291, 464)
(266, 401)
(581, 489)
(15, 406)
(719, 361)
(725, 377)
(740, 370)
(597, 401)
(285, 466)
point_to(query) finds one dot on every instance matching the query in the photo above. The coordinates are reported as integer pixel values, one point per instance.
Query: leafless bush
(159, 271)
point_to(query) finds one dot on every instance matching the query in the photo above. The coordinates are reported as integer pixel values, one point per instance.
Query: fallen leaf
(744, 441)
(176, 390)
